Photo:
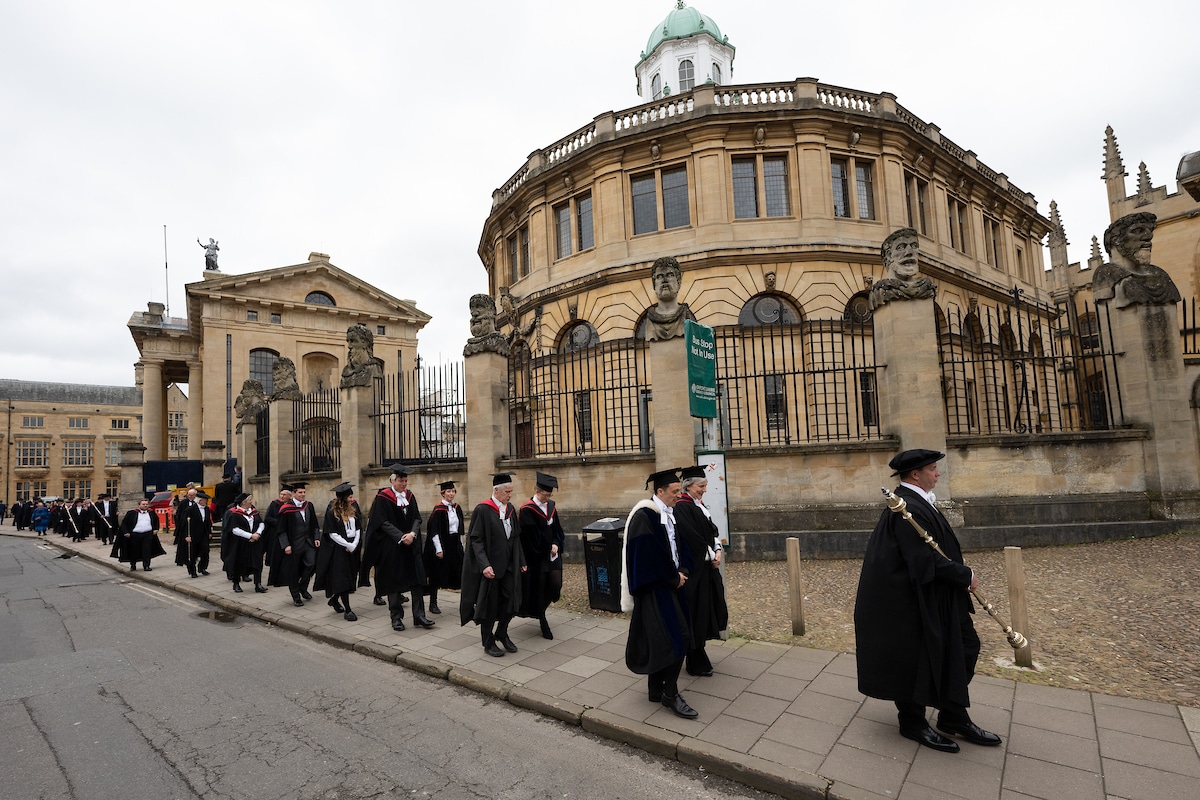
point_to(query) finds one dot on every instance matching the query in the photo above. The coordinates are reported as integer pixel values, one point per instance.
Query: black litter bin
(602, 559)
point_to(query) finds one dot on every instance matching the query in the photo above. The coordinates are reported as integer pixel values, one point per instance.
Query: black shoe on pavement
(493, 651)
(508, 643)
(969, 731)
(148, 569)
(680, 707)
(930, 738)
(296, 601)
(304, 593)
(350, 616)
(203, 572)
(237, 587)
(258, 587)
(433, 608)
(398, 625)
(379, 601)
(336, 605)
(546, 632)
(424, 622)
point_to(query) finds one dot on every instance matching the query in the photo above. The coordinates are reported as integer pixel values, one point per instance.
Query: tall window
(687, 76)
(583, 222)
(676, 211)
(656, 87)
(775, 403)
(773, 199)
(32, 453)
(583, 417)
(957, 213)
(859, 201)
(992, 243)
(869, 399)
(562, 230)
(174, 419)
(33, 422)
(916, 193)
(77, 422)
(112, 486)
(73, 489)
(518, 255)
(31, 490)
(716, 73)
(77, 452)
(177, 443)
(524, 236)
(112, 454)
(262, 368)
(1021, 264)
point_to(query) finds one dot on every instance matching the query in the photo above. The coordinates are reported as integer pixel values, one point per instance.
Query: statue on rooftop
(899, 251)
(210, 253)
(1130, 278)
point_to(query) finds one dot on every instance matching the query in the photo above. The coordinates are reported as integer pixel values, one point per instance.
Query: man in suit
(294, 555)
(193, 533)
(394, 546)
(492, 565)
(137, 539)
(916, 644)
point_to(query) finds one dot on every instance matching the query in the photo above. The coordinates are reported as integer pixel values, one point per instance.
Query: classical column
(195, 409)
(154, 403)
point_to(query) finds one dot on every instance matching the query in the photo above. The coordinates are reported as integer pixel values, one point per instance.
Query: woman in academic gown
(705, 591)
(542, 540)
(443, 545)
(241, 533)
(340, 553)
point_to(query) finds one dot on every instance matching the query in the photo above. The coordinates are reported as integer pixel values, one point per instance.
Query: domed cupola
(685, 50)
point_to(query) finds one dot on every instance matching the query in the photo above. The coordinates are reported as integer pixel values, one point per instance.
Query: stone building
(63, 439)
(775, 198)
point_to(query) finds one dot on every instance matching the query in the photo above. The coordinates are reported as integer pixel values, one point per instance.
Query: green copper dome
(681, 23)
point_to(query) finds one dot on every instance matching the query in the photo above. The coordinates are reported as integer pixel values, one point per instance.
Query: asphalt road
(116, 689)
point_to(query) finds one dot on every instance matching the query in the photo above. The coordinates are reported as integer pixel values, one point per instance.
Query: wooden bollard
(1014, 570)
(795, 585)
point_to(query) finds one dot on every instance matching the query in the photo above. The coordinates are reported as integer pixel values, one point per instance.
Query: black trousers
(396, 607)
(912, 715)
(665, 682)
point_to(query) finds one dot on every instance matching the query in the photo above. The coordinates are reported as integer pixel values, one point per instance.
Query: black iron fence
(316, 432)
(593, 400)
(1027, 368)
(1191, 329)
(262, 440)
(420, 415)
(793, 384)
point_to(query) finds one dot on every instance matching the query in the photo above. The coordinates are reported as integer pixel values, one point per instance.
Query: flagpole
(166, 272)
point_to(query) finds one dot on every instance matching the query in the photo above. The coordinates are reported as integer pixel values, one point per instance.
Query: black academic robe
(271, 533)
(538, 532)
(398, 566)
(485, 600)
(660, 632)
(105, 525)
(337, 568)
(444, 572)
(911, 610)
(298, 529)
(704, 590)
(135, 547)
(237, 552)
(191, 520)
(80, 524)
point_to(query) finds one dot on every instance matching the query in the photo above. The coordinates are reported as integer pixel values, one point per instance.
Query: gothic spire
(1058, 234)
(1114, 167)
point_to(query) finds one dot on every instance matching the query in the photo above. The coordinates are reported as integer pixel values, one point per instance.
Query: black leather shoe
(298, 603)
(493, 651)
(351, 616)
(680, 706)
(148, 569)
(205, 572)
(379, 601)
(424, 622)
(928, 737)
(546, 632)
(398, 625)
(969, 731)
(258, 587)
(706, 674)
(433, 608)
(508, 643)
(237, 587)
(336, 605)
(304, 593)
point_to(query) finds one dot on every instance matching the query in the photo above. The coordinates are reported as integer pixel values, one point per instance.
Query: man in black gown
(394, 550)
(492, 567)
(294, 553)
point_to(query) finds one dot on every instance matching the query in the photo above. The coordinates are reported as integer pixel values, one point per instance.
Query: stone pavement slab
(784, 719)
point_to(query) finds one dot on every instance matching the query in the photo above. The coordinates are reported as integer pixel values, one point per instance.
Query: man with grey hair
(492, 565)
(394, 547)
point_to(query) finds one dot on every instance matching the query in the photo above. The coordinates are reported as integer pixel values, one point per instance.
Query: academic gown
(660, 632)
(398, 567)
(131, 549)
(299, 530)
(444, 572)
(189, 517)
(237, 551)
(488, 546)
(539, 531)
(337, 569)
(704, 590)
(910, 611)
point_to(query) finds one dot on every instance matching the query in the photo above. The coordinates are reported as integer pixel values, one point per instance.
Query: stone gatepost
(486, 379)
(911, 406)
(213, 457)
(1154, 395)
(246, 449)
(674, 428)
(133, 485)
(358, 444)
(279, 416)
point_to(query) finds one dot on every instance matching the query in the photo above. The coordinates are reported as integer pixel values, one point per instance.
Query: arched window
(858, 310)
(319, 299)
(716, 73)
(687, 76)
(656, 86)
(262, 368)
(768, 309)
(579, 336)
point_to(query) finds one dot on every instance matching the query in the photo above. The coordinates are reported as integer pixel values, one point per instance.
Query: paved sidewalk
(784, 719)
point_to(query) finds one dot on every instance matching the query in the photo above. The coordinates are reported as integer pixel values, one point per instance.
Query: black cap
(444, 485)
(344, 489)
(545, 482)
(501, 477)
(914, 459)
(664, 478)
(241, 498)
(299, 485)
(398, 470)
(693, 472)
(286, 487)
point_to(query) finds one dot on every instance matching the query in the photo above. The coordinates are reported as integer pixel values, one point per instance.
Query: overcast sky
(377, 131)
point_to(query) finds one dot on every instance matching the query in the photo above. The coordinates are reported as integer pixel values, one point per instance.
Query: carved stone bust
(1129, 278)
(284, 375)
(251, 400)
(484, 336)
(899, 251)
(362, 367)
(665, 319)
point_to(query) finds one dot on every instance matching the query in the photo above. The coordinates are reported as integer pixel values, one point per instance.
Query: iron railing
(420, 416)
(316, 432)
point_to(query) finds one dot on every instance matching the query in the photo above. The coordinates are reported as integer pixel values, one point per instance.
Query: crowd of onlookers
(79, 518)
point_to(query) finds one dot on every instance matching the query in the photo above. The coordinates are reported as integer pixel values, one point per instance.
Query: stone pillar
(154, 401)
(358, 445)
(674, 428)
(1154, 395)
(279, 415)
(133, 488)
(486, 379)
(245, 445)
(213, 456)
(911, 406)
(195, 409)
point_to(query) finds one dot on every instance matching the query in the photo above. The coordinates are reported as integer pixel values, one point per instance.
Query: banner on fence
(702, 369)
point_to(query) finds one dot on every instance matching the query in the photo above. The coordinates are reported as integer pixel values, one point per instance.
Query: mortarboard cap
(914, 459)
(241, 498)
(398, 470)
(546, 482)
(501, 477)
(344, 489)
(444, 485)
(693, 472)
(664, 478)
(286, 487)
(299, 485)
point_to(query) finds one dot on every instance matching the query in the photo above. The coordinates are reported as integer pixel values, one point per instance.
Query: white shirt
(143, 524)
(667, 517)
